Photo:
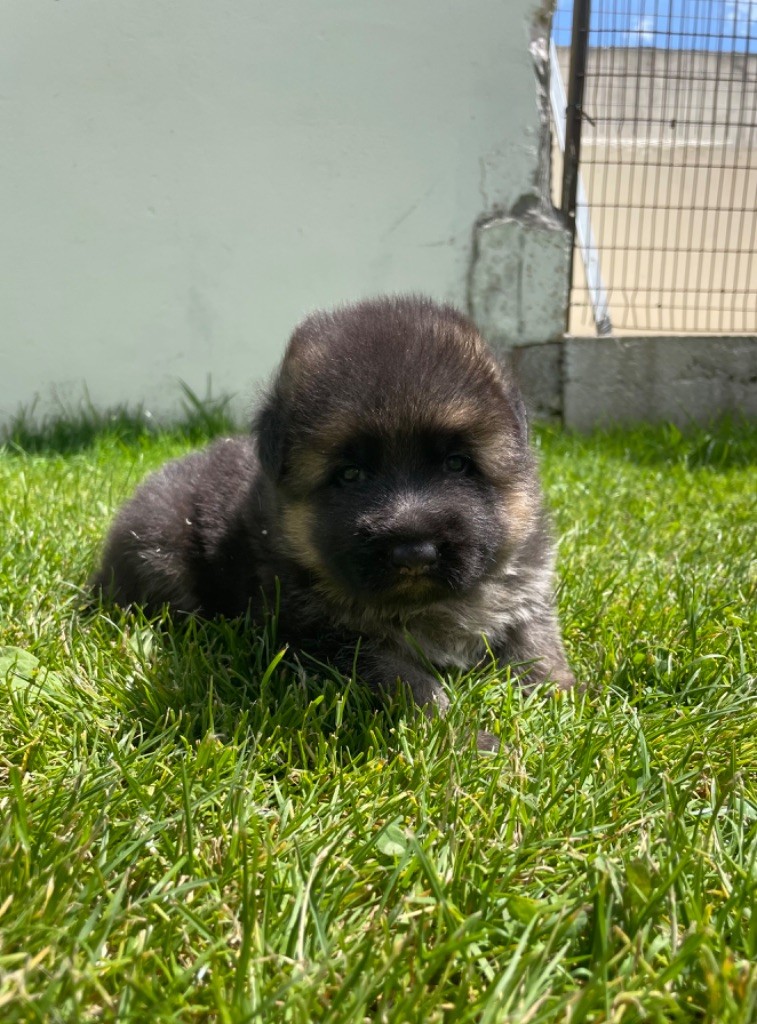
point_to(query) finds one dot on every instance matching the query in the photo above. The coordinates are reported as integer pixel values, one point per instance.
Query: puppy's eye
(350, 474)
(457, 463)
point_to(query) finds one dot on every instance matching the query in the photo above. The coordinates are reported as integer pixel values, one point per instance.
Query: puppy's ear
(271, 423)
(520, 413)
(269, 426)
(513, 395)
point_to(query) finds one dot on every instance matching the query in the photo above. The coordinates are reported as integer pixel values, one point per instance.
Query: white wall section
(180, 182)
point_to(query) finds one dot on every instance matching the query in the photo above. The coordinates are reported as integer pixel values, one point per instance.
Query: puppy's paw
(563, 679)
(487, 742)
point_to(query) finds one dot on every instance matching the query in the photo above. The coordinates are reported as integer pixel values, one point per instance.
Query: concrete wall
(678, 380)
(604, 382)
(181, 181)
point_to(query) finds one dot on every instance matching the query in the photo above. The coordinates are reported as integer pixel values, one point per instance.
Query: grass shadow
(727, 443)
(231, 679)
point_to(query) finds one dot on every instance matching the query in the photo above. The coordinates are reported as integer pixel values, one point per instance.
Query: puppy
(388, 490)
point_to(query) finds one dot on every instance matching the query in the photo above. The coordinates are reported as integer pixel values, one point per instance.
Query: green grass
(194, 830)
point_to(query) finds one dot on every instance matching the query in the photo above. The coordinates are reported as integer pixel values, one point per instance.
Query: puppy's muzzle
(414, 557)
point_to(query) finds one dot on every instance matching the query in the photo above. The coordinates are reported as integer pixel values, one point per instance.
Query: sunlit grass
(195, 829)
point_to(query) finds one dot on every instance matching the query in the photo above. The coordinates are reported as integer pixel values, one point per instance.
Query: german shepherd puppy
(388, 488)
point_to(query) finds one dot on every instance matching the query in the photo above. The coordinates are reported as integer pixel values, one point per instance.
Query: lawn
(194, 828)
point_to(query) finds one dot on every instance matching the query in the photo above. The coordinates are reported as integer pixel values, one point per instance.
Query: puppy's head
(398, 448)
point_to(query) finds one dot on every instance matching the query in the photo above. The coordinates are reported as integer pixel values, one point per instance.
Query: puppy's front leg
(536, 652)
(382, 667)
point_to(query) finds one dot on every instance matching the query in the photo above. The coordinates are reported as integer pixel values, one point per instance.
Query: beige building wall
(669, 163)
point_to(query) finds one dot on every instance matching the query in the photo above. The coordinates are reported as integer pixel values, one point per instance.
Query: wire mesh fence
(667, 165)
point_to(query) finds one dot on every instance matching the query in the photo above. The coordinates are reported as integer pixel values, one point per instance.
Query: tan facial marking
(297, 529)
(310, 468)
(518, 512)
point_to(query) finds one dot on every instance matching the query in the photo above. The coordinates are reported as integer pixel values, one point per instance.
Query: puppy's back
(185, 538)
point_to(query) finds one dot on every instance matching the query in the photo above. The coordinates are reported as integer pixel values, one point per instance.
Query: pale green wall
(181, 180)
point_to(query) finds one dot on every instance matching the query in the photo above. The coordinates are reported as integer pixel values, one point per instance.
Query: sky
(724, 25)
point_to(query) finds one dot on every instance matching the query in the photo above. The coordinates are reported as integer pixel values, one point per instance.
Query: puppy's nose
(414, 555)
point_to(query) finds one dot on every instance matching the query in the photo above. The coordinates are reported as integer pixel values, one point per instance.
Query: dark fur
(388, 485)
